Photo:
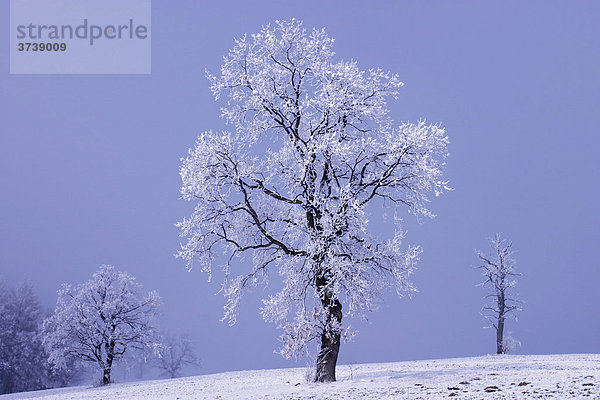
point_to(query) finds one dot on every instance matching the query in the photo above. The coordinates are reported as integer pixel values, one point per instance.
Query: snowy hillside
(571, 376)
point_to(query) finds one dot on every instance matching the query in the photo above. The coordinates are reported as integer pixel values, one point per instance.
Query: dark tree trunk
(109, 360)
(330, 339)
(500, 327)
(106, 376)
(331, 335)
(500, 336)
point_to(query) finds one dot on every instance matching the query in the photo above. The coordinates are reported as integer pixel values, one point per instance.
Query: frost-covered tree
(23, 362)
(499, 272)
(176, 352)
(7, 321)
(99, 320)
(313, 154)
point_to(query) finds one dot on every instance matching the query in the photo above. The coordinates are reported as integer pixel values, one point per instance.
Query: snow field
(569, 376)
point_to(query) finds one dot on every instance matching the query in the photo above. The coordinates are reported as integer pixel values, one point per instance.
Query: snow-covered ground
(570, 376)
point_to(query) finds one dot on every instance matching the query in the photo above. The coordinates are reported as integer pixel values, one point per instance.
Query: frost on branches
(99, 320)
(313, 152)
(499, 272)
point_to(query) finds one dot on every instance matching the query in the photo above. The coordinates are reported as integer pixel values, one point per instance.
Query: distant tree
(99, 320)
(176, 352)
(499, 272)
(23, 362)
(509, 343)
(313, 155)
(7, 317)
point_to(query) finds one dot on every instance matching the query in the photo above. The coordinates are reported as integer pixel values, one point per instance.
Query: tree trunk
(331, 335)
(108, 366)
(106, 376)
(330, 339)
(500, 326)
(500, 336)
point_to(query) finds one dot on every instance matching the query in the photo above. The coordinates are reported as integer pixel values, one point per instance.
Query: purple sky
(89, 169)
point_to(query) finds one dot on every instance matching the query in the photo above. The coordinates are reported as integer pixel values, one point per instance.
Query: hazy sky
(89, 169)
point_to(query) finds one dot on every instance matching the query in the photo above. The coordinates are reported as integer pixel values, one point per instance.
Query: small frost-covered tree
(313, 154)
(499, 272)
(99, 320)
(176, 352)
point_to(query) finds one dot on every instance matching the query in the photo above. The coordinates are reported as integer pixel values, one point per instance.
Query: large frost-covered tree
(99, 320)
(499, 272)
(313, 153)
